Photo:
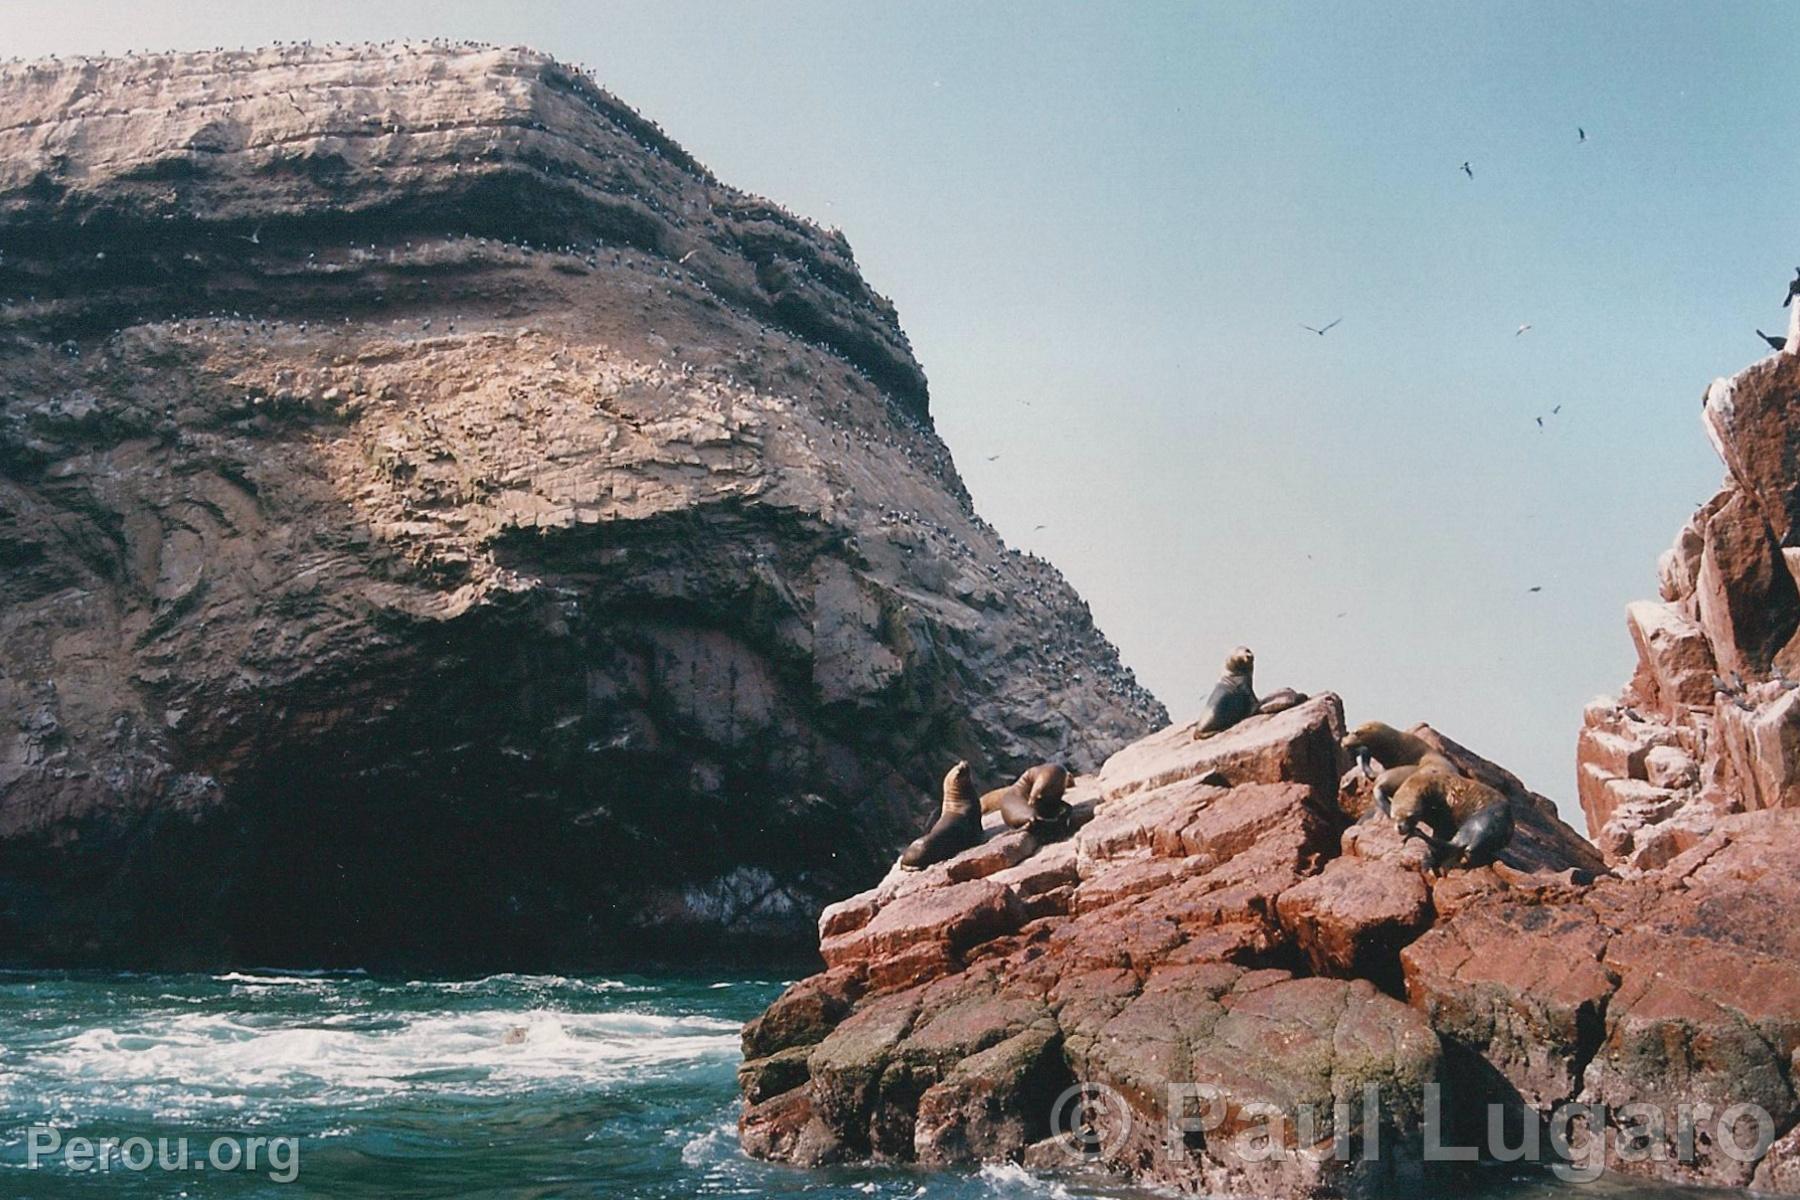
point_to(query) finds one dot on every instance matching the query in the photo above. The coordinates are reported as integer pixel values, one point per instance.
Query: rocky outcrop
(1222, 940)
(441, 524)
(1710, 723)
(1676, 991)
(1217, 943)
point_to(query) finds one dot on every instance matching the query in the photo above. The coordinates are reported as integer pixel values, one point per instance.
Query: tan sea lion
(1472, 822)
(1034, 800)
(957, 828)
(1399, 753)
(1233, 698)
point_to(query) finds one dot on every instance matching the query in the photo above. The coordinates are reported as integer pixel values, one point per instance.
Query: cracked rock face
(443, 525)
(1709, 724)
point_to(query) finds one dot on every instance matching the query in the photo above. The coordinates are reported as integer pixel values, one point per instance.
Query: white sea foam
(509, 982)
(710, 1146)
(185, 1065)
(1010, 1179)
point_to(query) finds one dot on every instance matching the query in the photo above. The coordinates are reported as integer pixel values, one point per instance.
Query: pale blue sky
(1104, 226)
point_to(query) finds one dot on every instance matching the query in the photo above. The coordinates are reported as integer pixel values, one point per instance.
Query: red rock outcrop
(1676, 989)
(1709, 724)
(1216, 943)
(441, 524)
(1219, 942)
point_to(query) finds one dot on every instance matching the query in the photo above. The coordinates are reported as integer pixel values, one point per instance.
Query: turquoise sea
(505, 1086)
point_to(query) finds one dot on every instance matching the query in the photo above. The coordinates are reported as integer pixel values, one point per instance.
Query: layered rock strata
(442, 524)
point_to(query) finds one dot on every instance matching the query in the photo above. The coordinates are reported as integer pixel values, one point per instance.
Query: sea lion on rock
(1280, 701)
(1233, 698)
(1400, 754)
(957, 828)
(1035, 802)
(1472, 822)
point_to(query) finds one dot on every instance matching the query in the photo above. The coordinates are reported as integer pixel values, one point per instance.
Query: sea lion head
(1240, 661)
(1358, 742)
(1407, 805)
(958, 785)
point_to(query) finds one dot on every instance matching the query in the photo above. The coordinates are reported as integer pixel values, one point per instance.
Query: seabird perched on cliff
(1324, 331)
(1793, 288)
(1775, 343)
(1467, 169)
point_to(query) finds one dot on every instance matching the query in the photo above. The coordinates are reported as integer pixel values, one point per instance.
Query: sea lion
(1400, 754)
(1280, 701)
(1233, 698)
(1472, 822)
(957, 828)
(1035, 802)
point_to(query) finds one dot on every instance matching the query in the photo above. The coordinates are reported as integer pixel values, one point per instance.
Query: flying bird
(255, 238)
(992, 457)
(1468, 170)
(1580, 134)
(1540, 422)
(686, 256)
(1539, 588)
(1035, 528)
(1521, 329)
(1775, 343)
(1556, 410)
(1324, 331)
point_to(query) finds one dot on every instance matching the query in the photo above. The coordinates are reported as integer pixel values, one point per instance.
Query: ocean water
(506, 1086)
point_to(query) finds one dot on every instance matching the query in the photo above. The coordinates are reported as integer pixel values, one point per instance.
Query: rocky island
(1231, 981)
(442, 525)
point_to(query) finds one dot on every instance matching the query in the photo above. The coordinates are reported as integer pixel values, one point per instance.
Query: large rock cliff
(442, 524)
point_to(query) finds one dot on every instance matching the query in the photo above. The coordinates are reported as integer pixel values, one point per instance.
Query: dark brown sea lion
(1399, 753)
(957, 828)
(1233, 698)
(1472, 822)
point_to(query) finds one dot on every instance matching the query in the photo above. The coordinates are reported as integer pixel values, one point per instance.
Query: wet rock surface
(442, 525)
